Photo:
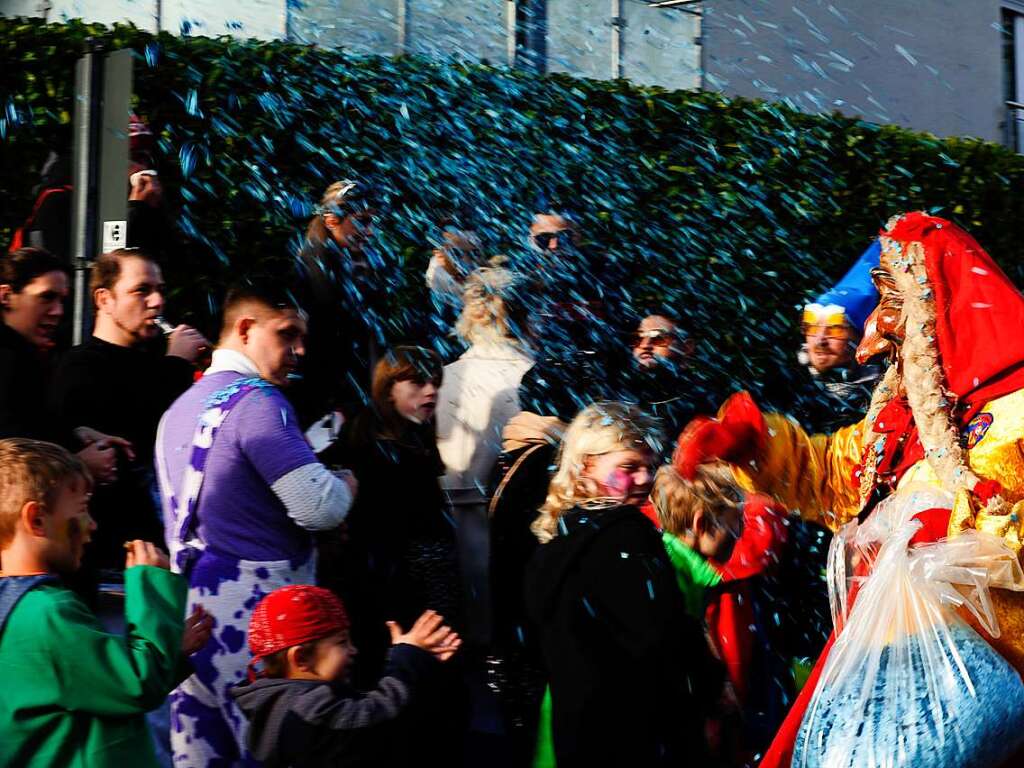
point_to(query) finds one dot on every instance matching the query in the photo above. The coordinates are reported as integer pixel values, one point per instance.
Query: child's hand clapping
(429, 634)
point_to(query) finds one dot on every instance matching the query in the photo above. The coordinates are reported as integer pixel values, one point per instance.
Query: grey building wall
(930, 65)
(657, 46)
(355, 25)
(579, 40)
(468, 30)
(660, 46)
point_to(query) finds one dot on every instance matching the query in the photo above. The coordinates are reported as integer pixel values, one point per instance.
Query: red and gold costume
(948, 414)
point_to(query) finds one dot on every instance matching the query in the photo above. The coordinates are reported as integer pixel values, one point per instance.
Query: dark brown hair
(417, 364)
(275, 665)
(21, 267)
(107, 268)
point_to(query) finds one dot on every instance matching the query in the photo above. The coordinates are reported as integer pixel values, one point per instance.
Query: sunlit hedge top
(736, 209)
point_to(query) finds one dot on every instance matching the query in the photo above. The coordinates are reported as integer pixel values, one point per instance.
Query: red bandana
(292, 616)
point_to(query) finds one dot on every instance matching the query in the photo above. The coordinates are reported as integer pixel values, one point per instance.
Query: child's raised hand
(198, 627)
(428, 633)
(145, 553)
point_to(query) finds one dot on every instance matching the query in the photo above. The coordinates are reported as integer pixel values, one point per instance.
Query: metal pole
(618, 22)
(88, 74)
(403, 26)
(510, 32)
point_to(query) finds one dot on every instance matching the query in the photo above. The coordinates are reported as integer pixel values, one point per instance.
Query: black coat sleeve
(633, 590)
(346, 723)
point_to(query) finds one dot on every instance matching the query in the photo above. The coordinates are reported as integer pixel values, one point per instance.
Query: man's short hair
(21, 267)
(32, 470)
(106, 270)
(265, 292)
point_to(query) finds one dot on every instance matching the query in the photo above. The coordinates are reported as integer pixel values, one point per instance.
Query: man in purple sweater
(241, 491)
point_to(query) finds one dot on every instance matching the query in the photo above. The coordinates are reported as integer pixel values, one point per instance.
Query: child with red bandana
(301, 710)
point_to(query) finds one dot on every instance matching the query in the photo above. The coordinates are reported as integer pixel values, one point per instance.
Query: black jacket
(24, 378)
(120, 391)
(372, 564)
(342, 301)
(308, 723)
(631, 674)
(525, 476)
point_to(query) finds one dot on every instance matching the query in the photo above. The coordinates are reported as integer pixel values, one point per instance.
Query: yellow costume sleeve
(811, 474)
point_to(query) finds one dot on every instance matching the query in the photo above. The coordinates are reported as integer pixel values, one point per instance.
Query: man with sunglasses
(552, 232)
(832, 326)
(660, 381)
(657, 340)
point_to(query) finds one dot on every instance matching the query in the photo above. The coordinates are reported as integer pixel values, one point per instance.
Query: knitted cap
(294, 615)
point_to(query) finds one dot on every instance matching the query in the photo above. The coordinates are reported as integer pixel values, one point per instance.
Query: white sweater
(478, 396)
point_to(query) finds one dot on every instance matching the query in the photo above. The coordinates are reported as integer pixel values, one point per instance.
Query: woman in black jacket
(336, 287)
(397, 557)
(631, 676)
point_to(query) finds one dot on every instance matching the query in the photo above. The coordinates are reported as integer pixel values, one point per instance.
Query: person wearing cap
(832, 326)
(334, 282)
(301, 709)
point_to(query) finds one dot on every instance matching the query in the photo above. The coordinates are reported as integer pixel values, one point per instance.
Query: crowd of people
(372, 545)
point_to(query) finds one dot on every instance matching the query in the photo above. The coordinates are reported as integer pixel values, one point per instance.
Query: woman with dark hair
(33, 288)
(397, 557)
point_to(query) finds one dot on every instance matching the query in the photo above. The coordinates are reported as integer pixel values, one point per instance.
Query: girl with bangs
(631, 676)
(396, 557)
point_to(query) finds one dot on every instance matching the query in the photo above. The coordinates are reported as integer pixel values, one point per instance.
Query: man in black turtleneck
(118, 384)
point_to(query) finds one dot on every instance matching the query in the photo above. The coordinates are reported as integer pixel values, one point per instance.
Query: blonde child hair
(712, 492)
(598, 429)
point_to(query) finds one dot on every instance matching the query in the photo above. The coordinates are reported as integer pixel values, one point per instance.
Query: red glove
(739, 437)
(934, 525)
(986, 489)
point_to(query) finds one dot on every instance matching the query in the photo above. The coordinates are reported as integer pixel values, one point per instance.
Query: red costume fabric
(737, 436)
(730, 615)
(979, 315)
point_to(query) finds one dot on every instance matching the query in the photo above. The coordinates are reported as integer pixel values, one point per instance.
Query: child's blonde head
(713, 494)
(32, 470)
(598, 429)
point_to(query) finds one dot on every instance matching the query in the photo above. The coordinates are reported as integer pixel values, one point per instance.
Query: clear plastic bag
(908, 682)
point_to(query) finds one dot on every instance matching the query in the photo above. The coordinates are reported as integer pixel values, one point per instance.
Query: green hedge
(736, 210)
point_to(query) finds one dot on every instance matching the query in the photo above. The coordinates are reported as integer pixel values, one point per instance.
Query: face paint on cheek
(619, 482)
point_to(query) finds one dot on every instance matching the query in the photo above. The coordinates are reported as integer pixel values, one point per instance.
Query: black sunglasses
(543, 239)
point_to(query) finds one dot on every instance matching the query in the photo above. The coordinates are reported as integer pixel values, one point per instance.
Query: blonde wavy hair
(599, 428)
(491, 310)
(712, 492)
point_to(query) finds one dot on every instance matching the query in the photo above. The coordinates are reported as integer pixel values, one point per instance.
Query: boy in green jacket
(75, 695)
(700, 520)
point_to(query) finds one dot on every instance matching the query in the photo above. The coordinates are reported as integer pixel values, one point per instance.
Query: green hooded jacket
(75, 696)
(693, 574)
